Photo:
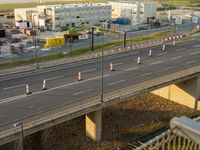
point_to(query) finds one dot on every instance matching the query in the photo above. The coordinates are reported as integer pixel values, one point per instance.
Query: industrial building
(57, 16)
(24, 14)
(54, 17)
(136, 11)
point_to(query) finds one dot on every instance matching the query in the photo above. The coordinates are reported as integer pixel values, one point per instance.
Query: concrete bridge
(173, 74)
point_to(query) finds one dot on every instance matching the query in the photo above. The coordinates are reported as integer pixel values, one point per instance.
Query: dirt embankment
(121, 124)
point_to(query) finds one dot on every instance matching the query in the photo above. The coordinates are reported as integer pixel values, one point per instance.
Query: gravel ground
(121, 124)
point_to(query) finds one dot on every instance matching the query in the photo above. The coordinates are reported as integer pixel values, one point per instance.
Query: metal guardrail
(170, 140)
(110, 98)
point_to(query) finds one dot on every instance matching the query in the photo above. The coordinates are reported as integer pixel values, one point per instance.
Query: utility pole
(102, 68)
(35, 42)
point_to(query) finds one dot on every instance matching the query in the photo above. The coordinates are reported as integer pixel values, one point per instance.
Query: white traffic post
(44, 85)
(79, 76)
(163, 48)
(174, 42)
(150, 53)
(138, 60)
(111, 67)
(27, 92)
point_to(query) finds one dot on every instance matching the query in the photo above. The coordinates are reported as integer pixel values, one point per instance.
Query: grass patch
(81, 51)
(11, 7)
(180, 2)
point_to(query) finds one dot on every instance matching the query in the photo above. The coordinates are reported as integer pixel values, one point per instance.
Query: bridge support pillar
(93, 125)
(186, 93)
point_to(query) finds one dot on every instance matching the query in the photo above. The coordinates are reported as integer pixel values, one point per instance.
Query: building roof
(133, 2)
(73, 5)
(27, 9)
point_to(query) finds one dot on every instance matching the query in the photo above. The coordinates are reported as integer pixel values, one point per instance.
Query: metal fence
(170, 140)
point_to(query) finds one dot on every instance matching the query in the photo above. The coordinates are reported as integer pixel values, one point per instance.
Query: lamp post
(102, 68)
(22, 132)
(35, 42)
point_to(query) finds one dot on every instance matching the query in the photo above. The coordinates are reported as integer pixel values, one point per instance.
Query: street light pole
(102, 68)
(35, 42)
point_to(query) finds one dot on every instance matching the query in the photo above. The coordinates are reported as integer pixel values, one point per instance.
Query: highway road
(63, 87)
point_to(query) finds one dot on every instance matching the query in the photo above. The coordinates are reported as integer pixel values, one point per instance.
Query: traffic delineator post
(44, 85)
(79, 76)
(163, 48)
(111, 67)
(174, 43)
(27, 91)
(150, 53)
(138, 60)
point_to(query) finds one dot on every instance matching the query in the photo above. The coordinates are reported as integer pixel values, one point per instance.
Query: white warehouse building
(56, 16)
(136, 11)
(24, 14)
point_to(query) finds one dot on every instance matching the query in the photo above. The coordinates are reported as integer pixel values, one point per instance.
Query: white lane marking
(196, 45)
(144, 58)
(66, 67)
(117, 82)
(12, 87)
(141, 58)
(54, 78)
(190, 62)
(155, 63)
(133, 53)
(146, 74)
(161, 54)
(117, 64)
(174, 58)
(89, 70)
(182, 49)
(81, 92)
(39, 92)
(11, 98)
(168, 68)
(195, 53)
(130, 69)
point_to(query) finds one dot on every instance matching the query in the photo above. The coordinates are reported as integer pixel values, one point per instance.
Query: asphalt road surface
(63, 87)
